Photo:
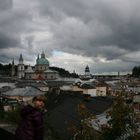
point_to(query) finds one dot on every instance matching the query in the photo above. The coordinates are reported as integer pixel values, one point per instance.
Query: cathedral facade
(40, 71)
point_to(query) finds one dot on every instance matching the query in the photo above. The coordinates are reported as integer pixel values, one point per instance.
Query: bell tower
(87, 71)
(21, 68)
(13, 69)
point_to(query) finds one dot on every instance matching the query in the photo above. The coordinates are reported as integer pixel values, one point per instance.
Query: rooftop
(27, 91)
(62, 112)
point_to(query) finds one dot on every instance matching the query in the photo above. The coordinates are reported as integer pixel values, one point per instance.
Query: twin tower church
(40, 71)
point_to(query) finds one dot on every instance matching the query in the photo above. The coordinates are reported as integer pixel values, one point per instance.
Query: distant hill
(64, 73)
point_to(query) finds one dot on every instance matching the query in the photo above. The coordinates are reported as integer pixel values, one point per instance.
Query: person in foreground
(31, 124)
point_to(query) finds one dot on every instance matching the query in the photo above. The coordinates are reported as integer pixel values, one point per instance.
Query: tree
(122, 124)
(136, 71)
(64, 73)
(6, 69)
(85, 131)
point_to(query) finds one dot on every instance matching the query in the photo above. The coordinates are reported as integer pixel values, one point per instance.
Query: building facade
(40, 71)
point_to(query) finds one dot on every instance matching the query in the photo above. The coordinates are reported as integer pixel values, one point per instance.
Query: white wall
(91, 92)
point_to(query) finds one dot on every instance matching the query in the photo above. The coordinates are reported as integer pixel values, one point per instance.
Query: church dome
(42, 60)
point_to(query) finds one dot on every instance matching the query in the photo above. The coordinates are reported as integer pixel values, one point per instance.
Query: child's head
(39, 101)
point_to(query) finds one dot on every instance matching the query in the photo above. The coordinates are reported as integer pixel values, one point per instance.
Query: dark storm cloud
(106, 30)
(109, 23)
(6, 41)
(5, 4)
(13, 23)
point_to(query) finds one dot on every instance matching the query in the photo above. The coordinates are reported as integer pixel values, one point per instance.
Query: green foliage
(6, 69)
(50, 133)
(64, 73)
(86, 131)
(136, 71)
(13, 116)
(10, 116)
(122, 121)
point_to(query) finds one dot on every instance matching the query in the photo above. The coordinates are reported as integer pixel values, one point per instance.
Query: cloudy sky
(103, 34)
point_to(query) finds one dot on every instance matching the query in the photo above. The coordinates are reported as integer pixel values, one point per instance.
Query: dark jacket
(31, 125)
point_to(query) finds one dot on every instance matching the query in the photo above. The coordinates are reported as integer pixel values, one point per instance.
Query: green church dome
(42, 60)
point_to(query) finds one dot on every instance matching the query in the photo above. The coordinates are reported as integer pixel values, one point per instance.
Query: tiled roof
(27, 91)
(62, 112)
(29, 70)
(87, 86)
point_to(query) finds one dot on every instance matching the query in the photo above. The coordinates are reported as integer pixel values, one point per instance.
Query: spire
(20, 58)
(38, 56)
(13, 62)
(37, 59)
(43, 55)
(13, 69)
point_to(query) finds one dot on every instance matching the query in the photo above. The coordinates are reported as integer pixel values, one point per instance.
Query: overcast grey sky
(104, 34)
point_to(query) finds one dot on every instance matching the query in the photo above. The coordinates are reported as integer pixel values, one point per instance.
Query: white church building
(40, 71)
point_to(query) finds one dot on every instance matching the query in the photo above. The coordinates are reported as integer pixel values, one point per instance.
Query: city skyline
(73, 34)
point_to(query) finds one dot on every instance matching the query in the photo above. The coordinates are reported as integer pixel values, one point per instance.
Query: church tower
(13, 69)
(87, 72)
(21, 68)
(42, 64)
